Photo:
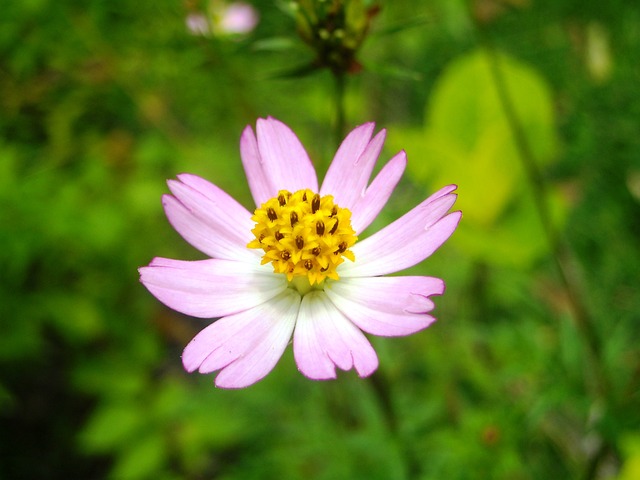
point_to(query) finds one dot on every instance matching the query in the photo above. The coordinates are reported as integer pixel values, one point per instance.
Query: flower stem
(340, 86)
(382, 391)
(378, 381)
(559, 251)
(564, 261)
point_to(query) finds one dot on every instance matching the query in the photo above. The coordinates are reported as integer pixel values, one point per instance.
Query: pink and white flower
(237, 18)
(223, 19)
(294, 267)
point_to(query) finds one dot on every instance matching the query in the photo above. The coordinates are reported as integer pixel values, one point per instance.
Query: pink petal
(239, 18)
(324, 338)
(285, 163)
(407, 241)
(349, 172)
(209, 219)
(367, 208)
(252, 163)
(247, 345)
(386, 306)
(210, 288)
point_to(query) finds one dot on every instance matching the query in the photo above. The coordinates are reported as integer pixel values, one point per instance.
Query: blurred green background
(101, 102)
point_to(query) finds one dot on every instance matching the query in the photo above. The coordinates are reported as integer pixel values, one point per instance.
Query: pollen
(303, 235)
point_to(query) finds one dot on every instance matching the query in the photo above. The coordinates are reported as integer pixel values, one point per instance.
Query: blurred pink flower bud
(197, 24)
(237, 18)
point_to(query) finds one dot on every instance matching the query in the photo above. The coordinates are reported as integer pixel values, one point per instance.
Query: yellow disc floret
(303, 234)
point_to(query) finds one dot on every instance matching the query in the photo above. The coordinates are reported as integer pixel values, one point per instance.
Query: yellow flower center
(303, 234)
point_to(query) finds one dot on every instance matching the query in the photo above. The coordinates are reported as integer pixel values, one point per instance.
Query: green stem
(378, 382)
(597, 383)
(382, 391)
(560, 252)
(340, 86)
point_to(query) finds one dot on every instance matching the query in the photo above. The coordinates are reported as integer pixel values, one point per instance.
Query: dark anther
(299, 242)
(294, 218)
(315, 203)
(320, 227)
(316, 251)
(278, 236)
(271, 213)
(334, 228)
(285, 255)
(308, 264)
(334, 211)
(341, 248)
(261, 237)
(324, 269)
(282, 200)
(304, 197)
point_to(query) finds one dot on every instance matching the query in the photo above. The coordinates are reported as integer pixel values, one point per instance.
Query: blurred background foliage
(103, 101)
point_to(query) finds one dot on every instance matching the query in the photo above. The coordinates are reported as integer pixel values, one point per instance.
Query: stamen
(315, 203)
(278, 236)
(320, 228)
(334, 228)
(308, 264)
(316, 251)
(285, 255)
(294, 218)
(299, 242)
(271, 213)
(282, 200)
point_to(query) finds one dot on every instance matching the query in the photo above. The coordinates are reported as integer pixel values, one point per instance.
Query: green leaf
(631, 466)
(142, 459)
(393, 71)
(466, 103)
(404, 25)
(75, 317)
(275, 44)
(469, 141)
(111, 427)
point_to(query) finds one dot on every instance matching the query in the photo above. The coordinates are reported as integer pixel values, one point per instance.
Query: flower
(295, 267)
(197, 24)
(335, 30)
(223, 19)
(236, 18)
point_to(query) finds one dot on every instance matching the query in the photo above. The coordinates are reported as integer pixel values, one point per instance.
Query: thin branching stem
(596, 380)
(559, 251)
